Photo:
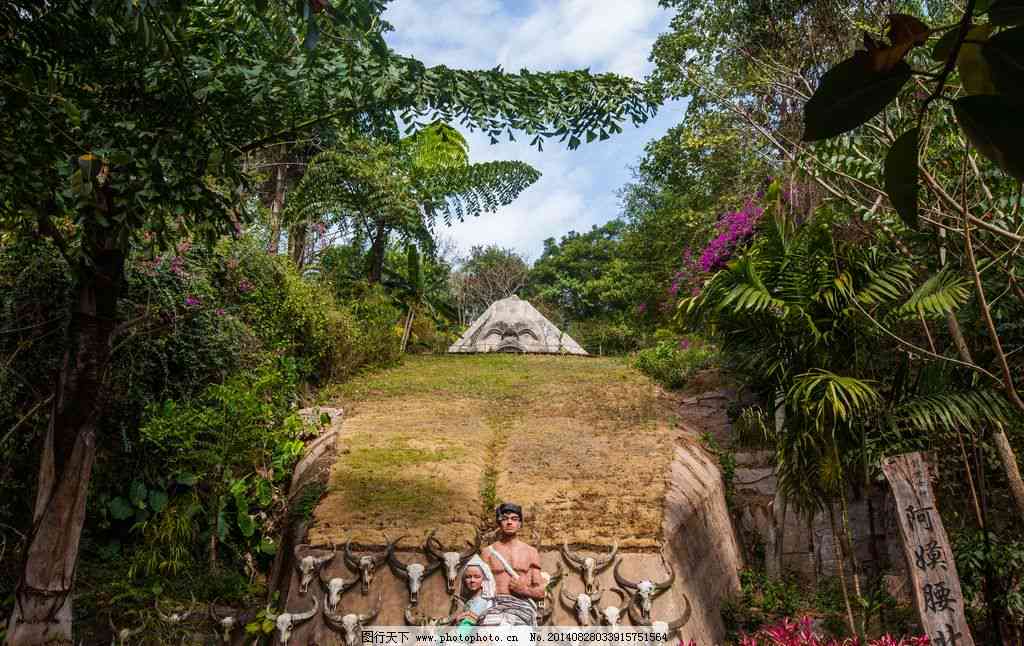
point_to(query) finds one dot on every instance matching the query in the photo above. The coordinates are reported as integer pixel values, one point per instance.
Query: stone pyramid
(513, 325)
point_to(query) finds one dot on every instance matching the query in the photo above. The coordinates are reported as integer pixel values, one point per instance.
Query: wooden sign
(934, 581)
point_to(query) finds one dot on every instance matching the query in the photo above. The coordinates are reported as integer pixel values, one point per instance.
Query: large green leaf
(901, 176)
(1005, 55)
(120, 508)
(1006, 12)
(975, 74)
(849, 95)
(993, 124)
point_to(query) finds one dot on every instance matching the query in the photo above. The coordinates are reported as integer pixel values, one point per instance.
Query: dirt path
(582, 444)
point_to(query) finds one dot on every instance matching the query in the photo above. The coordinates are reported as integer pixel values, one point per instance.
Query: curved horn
(474, 547)
(303, 616)
(271, 615)
(459, 605)
(410, 619)
(623, 581)
(366, 619)
(571, 558)
(568, 600)
(335, 621)
(156, 604)
(212, 611)
(429, 548)
(321, 560)
(636, 619)
(667, 583)
(555, 578)
(350, 559)
(389, 549)
(624, 597)
(606, 560)
(596, 596)
(682, 619)
(397, 566)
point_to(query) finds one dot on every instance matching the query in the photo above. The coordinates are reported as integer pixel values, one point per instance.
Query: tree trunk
(297, 243)
(275, 211)
(42, 611)
(377, 249)
(408, 327)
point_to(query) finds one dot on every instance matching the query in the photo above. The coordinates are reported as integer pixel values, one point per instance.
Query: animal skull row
(636, 597)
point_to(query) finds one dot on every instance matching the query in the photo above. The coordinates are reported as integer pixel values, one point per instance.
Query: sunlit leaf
(972, 66)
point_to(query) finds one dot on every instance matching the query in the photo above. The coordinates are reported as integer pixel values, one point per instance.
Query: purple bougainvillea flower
(193, 301)
(221, 311)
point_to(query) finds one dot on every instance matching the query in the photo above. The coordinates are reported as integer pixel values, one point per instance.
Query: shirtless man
(523, 584)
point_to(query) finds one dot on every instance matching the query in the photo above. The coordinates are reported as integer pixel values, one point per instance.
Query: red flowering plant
(800, 632)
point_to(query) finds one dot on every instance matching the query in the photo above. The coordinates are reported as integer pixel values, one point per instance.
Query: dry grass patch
(582, 442)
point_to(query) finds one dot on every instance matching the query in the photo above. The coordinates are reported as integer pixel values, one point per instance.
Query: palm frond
(955, 409)
(942, 293)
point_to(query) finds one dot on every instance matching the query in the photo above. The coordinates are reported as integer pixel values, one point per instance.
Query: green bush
(673, 363)
(606, 337)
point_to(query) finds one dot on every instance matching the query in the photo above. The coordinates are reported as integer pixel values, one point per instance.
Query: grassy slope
(581, 443)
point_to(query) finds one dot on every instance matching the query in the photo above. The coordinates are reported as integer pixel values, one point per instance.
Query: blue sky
(578, 188)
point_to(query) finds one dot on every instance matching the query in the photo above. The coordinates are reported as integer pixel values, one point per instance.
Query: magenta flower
(177, 266)
(244, 286)
(193, 301)
(221, 311)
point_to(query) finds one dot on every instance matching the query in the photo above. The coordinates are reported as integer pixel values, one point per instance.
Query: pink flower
(193, 301)
(183, 247)
(244, 286)
(221, 311)
(177, 266)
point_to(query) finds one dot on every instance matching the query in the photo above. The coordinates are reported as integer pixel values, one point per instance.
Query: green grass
(409, 497)
(491, 376)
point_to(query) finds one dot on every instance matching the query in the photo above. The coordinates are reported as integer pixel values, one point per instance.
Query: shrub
(788, 632)
(673, 363)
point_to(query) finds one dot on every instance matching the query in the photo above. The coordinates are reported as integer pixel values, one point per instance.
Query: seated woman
(477, 592)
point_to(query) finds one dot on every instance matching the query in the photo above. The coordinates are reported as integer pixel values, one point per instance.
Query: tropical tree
(122, 129)
(381, 187)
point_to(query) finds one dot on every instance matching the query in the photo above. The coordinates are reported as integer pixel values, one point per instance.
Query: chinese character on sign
(930, 557)
(922, 516)
(946, 637)
(937, 596)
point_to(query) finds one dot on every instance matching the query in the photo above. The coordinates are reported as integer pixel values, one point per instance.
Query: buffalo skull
(175, 617)
(452, 560)
(365, 565)
(582, 604)
(122, 636)
(416, 618)
(613, 615)
(351, 625)
(588, 566)
(309, 565)
(646, 590)
(286, 622)
(412, 573)
(546, 605)
(667, 628)
(335, 587)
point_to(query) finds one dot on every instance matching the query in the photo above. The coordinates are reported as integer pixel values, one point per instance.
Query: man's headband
(508, 508)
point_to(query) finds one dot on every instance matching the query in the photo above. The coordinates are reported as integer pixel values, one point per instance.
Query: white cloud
(578, 188)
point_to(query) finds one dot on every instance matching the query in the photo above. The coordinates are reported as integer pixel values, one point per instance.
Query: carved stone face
(510, 336)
